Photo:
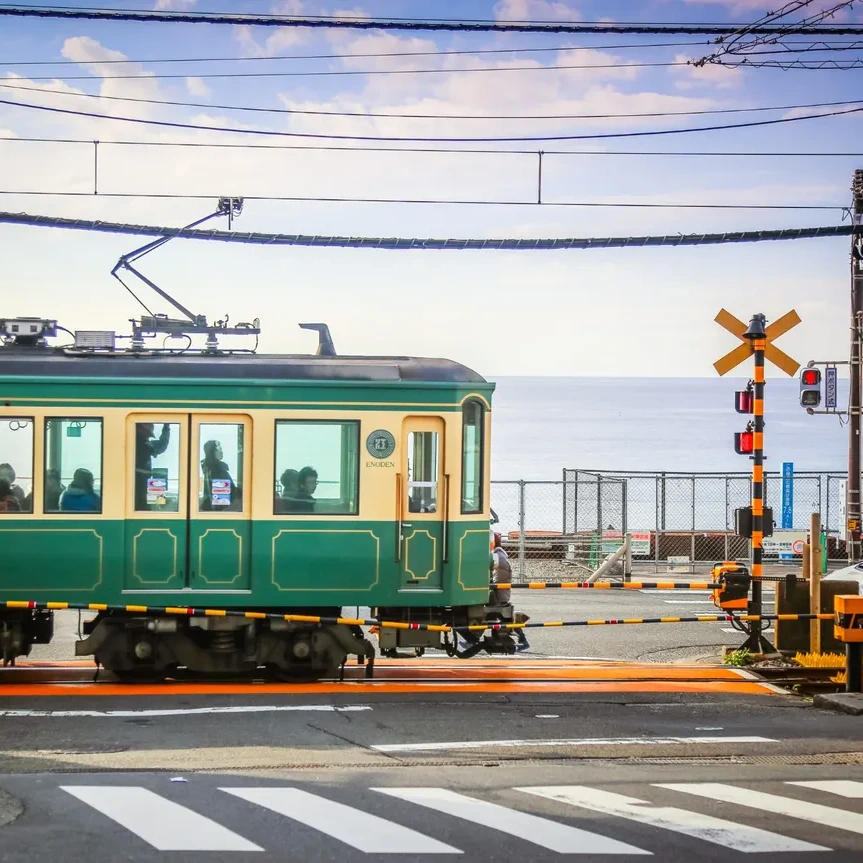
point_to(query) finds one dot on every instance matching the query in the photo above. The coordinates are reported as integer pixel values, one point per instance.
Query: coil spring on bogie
(223, 641)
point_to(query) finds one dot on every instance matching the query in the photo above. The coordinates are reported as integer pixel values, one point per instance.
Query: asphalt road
(649, 643)
(679, 776)
(537, 812)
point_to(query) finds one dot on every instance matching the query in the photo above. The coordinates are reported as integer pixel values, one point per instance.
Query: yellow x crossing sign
(771, 352)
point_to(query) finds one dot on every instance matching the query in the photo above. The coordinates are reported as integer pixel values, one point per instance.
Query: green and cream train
(288, 484)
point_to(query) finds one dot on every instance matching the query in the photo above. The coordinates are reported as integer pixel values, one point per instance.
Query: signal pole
(853, 514)
(758, 337)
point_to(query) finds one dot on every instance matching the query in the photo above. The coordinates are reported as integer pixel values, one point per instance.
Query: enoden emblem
(380, 444)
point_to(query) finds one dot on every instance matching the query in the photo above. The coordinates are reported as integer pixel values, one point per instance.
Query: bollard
(848, 628)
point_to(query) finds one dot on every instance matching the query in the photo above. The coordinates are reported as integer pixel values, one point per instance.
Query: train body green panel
(248, 565)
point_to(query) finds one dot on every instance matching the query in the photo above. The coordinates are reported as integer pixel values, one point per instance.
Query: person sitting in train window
(8, 501)
(53, 489)
(81, 495)
(147, 447)
(308, 482)
(7, 472)
(290, 483)
(213, 468)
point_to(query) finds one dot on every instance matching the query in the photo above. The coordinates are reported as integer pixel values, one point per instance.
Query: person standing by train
(501, 573)
(147, 447)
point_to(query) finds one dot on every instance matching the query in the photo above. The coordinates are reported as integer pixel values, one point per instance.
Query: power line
(748, 154)
(454, 25)
(406, 116)
(405, 243)
(340, 73)
(317, 199)
(383, 138)
(806, 46)
(359, 55)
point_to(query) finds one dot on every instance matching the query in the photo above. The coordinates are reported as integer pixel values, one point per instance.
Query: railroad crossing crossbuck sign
(742, 352)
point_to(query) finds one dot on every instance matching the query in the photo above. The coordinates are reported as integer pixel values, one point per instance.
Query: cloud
(535, 10)
(179, 5)
(712, 74)
(279, 38)
(197, 87)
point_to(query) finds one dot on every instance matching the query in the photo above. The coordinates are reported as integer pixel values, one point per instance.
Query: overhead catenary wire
(414, 116)
(422, 139)
(429, 244)
(340, 199)
(535, 49)
(723, 154)
(336, 73)
(344, 21)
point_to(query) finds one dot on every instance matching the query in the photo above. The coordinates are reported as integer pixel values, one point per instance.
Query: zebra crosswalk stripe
(716, 830)
(843, 787)
(360, 830)
(531, 828)
(839, 819)
(165, 825)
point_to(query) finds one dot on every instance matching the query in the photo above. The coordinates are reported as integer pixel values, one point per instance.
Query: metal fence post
(564, 502)
(521, 522)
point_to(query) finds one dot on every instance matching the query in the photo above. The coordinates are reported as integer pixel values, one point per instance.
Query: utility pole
(852, 508)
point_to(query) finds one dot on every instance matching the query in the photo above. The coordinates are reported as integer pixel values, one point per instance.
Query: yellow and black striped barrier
(393, 624)
(626, 585)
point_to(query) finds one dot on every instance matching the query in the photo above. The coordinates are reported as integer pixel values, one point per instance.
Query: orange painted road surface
(417, 676)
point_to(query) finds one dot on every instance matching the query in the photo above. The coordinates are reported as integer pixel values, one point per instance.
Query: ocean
(541, 425)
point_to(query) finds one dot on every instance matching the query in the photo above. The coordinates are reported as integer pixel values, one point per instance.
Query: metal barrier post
(815, 553)
(521, 522)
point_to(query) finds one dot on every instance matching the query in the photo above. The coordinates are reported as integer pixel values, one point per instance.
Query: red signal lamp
(744, 443)
(810, 377)
(744, 402)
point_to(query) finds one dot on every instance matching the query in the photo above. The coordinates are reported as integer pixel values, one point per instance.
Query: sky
(631, 312)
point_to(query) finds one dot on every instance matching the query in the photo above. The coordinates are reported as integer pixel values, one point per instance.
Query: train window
(472, 457)
(317, 468)
(157, 468)
(73, 465)
(16, 465)
(220, 467)
(422, 471)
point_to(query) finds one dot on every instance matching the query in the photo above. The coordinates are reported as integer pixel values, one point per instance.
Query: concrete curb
(10, 808)
(844, 702)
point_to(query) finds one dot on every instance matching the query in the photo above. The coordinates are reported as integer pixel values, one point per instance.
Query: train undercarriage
(147, 648)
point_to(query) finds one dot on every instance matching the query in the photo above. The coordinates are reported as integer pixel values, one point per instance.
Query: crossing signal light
(810, 388)
(744, 401)
(744, 442)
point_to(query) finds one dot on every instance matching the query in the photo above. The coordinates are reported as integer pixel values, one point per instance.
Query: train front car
(145, 479)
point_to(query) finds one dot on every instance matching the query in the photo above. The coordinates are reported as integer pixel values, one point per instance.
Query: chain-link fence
(679, 522)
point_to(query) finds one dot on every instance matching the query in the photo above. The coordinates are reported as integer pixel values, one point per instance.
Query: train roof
(53, 362)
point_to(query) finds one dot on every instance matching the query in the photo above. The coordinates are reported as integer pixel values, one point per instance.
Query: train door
(422, 504)
(220, 519)
(157, 502)
(188, 522)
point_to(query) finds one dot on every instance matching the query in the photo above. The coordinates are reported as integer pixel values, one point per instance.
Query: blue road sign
(787, 494)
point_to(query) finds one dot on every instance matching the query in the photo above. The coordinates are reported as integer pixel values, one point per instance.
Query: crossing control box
(848, 621)
(731, 582)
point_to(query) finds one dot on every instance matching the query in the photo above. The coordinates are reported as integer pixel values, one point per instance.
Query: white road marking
(257, 708)
(165, 825)
(843, 787)
(356, 828)
(839, 819)
(738, 632)
(530, 828)
(739, 837)
(575, 741)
